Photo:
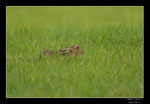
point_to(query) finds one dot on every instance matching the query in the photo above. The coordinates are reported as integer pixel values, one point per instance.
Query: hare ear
(65, 50)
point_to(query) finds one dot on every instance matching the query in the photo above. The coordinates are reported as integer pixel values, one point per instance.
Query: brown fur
(73, 50)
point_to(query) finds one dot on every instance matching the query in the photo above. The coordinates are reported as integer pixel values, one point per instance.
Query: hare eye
(77, 47)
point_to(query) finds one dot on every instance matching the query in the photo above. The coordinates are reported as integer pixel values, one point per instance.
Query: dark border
(77, 100)
(75, 2)
(3, 53)
(3, 5)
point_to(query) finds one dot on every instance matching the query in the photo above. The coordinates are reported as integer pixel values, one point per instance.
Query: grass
(112, 38)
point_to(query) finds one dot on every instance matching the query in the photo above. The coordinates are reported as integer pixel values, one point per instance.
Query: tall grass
(112, 38)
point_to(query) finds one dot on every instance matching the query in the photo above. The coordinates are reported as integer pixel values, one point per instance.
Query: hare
(73, 50)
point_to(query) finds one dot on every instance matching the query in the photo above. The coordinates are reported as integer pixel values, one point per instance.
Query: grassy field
(112, 38)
